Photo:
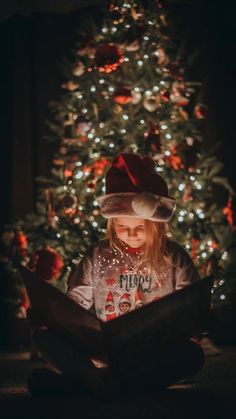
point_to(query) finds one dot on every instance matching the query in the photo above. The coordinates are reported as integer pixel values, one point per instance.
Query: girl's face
(130, 230)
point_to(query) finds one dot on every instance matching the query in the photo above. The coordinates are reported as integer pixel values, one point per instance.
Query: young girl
(135, 264)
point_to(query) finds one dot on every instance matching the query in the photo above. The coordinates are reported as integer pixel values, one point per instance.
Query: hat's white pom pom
(144, 204)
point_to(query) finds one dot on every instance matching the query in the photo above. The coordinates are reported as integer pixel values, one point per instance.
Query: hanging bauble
(200, 111)
(67, 200)
(122, 96)
(136, 97)
(78, 69)
(70, 85)
(188, 193)
(20, 240)
(82, 125)
(47, 263)
(108, 58)
(151, 103)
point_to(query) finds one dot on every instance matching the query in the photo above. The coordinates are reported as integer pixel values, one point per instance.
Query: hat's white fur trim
(137, 205)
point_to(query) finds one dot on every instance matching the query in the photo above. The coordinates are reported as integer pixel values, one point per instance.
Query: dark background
(33, 44)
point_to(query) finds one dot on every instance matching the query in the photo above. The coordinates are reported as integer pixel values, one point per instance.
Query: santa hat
(135, 189)
(125, 298)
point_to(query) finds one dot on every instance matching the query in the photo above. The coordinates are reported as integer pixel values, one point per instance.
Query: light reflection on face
(130, 230)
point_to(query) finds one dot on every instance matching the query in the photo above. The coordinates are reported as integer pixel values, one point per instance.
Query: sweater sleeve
(80, 283)
(185, 271)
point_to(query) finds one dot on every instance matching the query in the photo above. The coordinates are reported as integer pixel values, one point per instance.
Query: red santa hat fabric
(135, 189)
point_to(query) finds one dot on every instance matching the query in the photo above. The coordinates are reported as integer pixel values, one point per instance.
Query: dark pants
(156, 369)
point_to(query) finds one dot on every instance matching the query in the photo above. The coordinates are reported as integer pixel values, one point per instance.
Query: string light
(111, 145)
(167, 152)
(126, 59)
(142, 121)
(97, 140)
(146, 38)
(181, 187)
(101, 125)
(58, 235)
(79, 175)
(84, 110)
(90, 135)
(222, 297)
(164, 127)
(111, 89)
(168, 136)
(125, 117)
(101, 81)
(224, 255)
(201, 215)
(140, 62)
(93, 89)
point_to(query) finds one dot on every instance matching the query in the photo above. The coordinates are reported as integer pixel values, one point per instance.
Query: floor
(213, 396)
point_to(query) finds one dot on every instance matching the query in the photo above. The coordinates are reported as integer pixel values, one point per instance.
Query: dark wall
(32, 49)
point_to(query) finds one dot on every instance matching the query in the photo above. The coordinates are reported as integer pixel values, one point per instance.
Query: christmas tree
(125, 90)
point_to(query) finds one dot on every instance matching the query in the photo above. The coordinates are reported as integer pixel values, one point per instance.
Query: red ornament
(20, 240)
(108, 58)
(228, 211)
(165, 96)
(122, 96)
(200, 111)
(174, 159)
(47, 263)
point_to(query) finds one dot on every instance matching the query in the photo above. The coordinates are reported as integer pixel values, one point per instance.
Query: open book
(177, 316)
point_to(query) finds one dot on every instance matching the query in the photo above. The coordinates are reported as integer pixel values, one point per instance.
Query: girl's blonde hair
(153, 257)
